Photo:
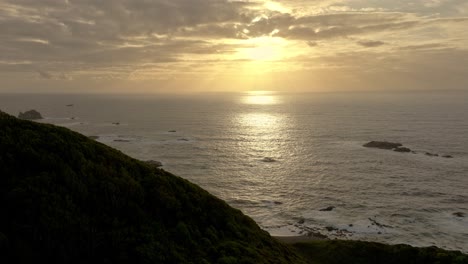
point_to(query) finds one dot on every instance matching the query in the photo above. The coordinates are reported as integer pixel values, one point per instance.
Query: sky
(165, 46)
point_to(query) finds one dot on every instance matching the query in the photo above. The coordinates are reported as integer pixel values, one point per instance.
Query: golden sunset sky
(215, 45)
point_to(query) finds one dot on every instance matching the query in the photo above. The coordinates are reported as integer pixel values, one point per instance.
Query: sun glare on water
(260, 98)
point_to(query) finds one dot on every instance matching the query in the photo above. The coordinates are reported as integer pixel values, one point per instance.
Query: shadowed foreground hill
(360, 252)
(68, 199)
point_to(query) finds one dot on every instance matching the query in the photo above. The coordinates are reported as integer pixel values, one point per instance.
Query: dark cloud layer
(371, 43)
(55, 39)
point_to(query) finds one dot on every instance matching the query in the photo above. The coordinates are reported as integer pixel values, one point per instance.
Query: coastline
(299, 239)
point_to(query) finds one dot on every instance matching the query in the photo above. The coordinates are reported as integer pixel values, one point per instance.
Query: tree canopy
(66, 198)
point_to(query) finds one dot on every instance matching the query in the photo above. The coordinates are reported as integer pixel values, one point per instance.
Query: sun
(265, 48)
(262, 53)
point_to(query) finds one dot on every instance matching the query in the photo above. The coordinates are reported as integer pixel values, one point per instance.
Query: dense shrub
(68, 199)
(359, 252)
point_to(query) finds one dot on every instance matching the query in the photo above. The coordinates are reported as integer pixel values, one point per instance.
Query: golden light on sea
(260, 121)
(260, 98)
(261, 130)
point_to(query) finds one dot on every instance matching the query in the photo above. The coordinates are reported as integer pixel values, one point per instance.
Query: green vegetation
(68, 199)
(359, 252)
(65, 198)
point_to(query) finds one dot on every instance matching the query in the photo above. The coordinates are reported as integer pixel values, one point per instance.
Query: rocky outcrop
(438, 155)
(459, 214)
(382, 145)
(121, 140)
(154, 163)
(268, 159)
(402, 149)
(30, 115)
(398, 147)
(328, 209)
(375, 223)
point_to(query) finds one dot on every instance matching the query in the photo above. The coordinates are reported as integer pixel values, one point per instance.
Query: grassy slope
(68, 199)
(359, 252)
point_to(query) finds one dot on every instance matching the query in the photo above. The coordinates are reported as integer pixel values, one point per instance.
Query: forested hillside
(68, 199)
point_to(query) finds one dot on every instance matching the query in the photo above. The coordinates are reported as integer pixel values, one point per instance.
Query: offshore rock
(328, 209)
(121, 140)
(30, 115)
(459, 214)
(382, 145)
(402, 149)
(154, 163)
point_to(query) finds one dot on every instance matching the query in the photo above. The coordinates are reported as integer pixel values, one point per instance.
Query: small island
(398, 147)
(383, 145)
(30, 115)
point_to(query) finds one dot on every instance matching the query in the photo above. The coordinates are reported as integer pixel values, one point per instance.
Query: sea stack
(154, 163)
(30, 115)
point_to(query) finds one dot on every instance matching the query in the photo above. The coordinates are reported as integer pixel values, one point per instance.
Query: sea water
(282, 158)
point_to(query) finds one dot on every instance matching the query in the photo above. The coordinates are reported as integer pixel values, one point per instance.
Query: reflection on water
(263, 135)
(262, 127)
(260, 98)
(264, 149)
(261, 122)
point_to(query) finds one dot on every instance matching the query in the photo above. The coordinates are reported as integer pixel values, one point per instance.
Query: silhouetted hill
(360, 252)
(68, 199)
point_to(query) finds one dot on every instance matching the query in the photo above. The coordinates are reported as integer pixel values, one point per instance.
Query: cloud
(371, 43)
(132, 38)
(114, 31)
(49, 76)
(424, 46)
(44, 74)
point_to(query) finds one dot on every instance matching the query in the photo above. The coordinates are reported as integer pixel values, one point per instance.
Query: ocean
(283, 158)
